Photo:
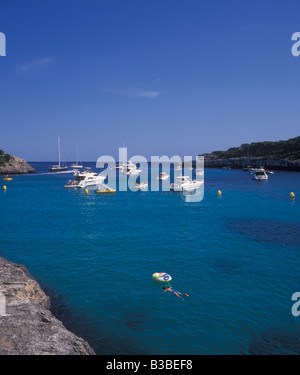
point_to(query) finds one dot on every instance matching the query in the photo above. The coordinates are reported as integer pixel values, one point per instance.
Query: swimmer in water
(170, 289)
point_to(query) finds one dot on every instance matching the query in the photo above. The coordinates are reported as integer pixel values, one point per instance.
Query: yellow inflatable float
(106, 191)
(161, 277)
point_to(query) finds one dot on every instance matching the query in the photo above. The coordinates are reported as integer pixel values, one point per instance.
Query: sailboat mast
(58, 151)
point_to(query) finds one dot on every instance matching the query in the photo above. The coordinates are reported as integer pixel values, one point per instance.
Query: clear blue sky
(160, 76)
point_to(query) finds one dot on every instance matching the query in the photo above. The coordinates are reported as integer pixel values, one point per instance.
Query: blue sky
(160, 76)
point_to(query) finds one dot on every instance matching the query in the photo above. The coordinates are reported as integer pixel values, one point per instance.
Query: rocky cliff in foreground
(28, 327)
(16, 165)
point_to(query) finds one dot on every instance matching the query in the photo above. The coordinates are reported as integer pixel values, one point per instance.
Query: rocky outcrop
(28, 327)
(16, 166)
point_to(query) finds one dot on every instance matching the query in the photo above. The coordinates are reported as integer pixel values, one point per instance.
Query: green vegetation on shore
(289, 149)
(4, 158)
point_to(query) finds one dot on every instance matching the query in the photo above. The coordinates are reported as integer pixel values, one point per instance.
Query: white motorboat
(85, 179)
(178, 167)
(60, 166)
(130, 169)
(140, 186)
(184, 183)
(163, 176)
(199, 172)
(117, 167)
(259, 174)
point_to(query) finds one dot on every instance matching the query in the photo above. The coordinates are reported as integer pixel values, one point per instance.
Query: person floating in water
(170, 289)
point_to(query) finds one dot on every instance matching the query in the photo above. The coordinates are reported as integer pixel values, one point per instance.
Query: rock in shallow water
(16, 166)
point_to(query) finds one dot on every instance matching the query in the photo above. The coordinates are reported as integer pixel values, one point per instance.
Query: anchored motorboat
(117, 167)
(199, 172)
(178, 166)
(85, 179)
(184, 183)
(130, 169)
(259, 174)
(163, 176)
(140, 186)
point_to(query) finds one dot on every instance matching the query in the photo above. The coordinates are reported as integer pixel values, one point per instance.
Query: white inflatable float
(162, 277)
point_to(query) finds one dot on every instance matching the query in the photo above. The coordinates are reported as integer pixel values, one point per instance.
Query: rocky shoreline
(27, 327)
(240, 163)
(16, 166)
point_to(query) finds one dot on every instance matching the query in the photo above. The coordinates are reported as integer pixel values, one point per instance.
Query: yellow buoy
(292, 195)
(219, 193)
(4, 187)
(86, 191)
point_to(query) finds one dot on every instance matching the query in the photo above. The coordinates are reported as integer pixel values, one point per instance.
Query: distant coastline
(281, 155)
(240, 163)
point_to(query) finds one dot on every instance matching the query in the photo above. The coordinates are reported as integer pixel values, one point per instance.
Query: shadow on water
(102, 341)
(225, 267)
(269, 231)
(275, 343)
(134, 320)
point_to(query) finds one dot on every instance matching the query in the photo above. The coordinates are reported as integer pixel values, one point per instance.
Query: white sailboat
(78, 164)
(60, 166)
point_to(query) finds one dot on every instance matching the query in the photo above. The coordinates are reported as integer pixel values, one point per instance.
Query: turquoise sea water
(237, 256)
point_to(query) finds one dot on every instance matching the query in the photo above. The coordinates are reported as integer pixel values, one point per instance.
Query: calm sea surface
(238, 256)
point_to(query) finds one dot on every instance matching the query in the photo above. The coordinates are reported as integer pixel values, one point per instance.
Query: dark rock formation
(16, 166)
(28, 326)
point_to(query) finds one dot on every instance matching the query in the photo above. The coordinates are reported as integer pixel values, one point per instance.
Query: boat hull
(60, 169)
